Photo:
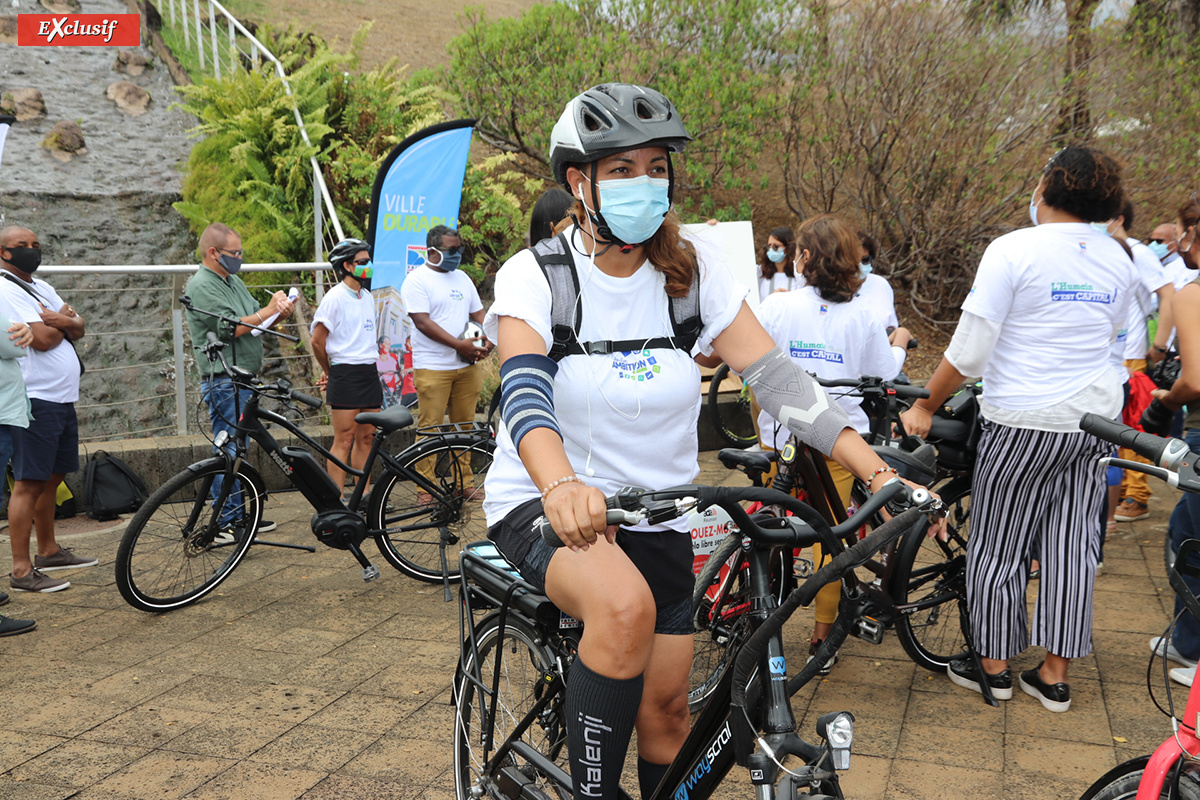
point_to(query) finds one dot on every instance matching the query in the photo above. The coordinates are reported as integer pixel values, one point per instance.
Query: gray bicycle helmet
(609, 119)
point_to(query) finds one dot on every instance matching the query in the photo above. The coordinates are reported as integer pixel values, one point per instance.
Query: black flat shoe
(961, 671)
(1056, 697)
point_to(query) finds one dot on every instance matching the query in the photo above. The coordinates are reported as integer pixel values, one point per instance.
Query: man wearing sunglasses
(441, 301)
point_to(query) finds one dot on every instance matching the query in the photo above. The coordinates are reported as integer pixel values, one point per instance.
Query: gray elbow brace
(790, 395)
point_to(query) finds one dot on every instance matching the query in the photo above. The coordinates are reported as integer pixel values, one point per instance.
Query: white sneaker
(1171, 654)
(1183, 675)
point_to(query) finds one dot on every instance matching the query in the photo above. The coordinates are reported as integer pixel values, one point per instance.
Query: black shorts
(354, 386)
(663, 557)
(50, 445)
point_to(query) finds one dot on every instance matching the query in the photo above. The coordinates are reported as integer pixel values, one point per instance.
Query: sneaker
(424, 499)
(1171, 654)
(266, 526)
(828, 666)
(1131, 510)
(3, 598)
(1056, 698)
(63, 559)
(1182, 675)
(961, 671)
(36, 581)
(11, 627)
(224, 536)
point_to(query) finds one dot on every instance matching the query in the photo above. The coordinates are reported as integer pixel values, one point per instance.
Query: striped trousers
(1034, 485)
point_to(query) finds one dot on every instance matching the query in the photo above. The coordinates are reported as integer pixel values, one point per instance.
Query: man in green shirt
(216, 287)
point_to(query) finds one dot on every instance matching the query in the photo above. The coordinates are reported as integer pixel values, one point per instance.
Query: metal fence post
(212, 31)
(171, 10)
(187, 33)
(233, 53)
(199, 35)
(318, 237)
(178, 282)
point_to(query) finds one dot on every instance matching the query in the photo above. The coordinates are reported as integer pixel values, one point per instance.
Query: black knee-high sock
(649, 776)
(600, 716)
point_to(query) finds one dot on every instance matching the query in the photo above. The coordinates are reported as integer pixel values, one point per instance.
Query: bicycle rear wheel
(526, 666)
(1122, 782)
(732, 418)
(413, 532)
(932, 574)
(167, 558)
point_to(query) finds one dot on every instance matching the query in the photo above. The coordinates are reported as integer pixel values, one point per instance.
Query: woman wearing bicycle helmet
(343, 340)
(776, 266)
(1039, 325)
(619, 408)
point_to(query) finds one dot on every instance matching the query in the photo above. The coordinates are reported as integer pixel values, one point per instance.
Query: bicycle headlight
(221, 438)
(837, 729)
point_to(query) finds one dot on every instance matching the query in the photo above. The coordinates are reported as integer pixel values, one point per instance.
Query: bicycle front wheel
(1122, 782)
(416, 527)
(524, 666)
(732, 418)
(720, 604)
(932, 575)
(171, 554)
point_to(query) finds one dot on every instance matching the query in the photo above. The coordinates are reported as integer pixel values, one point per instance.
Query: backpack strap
(554, 258)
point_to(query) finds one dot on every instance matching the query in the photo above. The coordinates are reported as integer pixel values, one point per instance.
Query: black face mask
(26, 259)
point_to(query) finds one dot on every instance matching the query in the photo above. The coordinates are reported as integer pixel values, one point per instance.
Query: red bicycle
(1172, 772)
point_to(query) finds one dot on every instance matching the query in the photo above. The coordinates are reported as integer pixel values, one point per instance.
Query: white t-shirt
(1061, 292)
(1151, 278)
(53, 374)
(830, 340)
(630, 417)
(1178, 270)
(350, 320)
(879, 296)
(449, 298)
(779, 282)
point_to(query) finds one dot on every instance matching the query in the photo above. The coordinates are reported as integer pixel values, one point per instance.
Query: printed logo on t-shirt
(415, 257)
(1123, 335)
(1079, 293)
(455, 294)
(636, 365)
(824, 309)
(814, 350)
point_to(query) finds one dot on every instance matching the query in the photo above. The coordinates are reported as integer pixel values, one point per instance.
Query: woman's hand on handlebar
(917, 421)
(577, 514)
(938, 525)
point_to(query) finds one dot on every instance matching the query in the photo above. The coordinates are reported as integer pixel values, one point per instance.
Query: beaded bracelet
(560, 482)
(880, 471)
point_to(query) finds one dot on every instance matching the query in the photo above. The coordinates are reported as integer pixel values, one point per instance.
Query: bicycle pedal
(370, 573)
(869, 630)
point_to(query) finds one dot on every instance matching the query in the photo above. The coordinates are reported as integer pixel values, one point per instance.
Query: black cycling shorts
(663, 557)
(354, 386)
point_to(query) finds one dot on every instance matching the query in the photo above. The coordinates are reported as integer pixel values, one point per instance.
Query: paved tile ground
(297, 680)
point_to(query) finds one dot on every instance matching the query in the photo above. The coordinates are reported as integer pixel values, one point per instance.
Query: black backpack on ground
(110, 487)
(554, 257)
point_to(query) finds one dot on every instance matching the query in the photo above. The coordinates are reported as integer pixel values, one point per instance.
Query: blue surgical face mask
(633, 208)
(775, 256)
(449, 262)
(1100, 227)
(866, 268)
(1159, 249)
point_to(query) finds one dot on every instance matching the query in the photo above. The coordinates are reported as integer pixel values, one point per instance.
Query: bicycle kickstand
(984, 688)
(445, 565)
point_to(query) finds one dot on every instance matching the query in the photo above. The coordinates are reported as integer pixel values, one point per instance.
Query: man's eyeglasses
(450, 250)
(234, 253)
(362, 263)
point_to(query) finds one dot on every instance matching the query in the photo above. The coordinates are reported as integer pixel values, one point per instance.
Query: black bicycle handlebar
(308, 400)
(902, 390)
(1167, 453)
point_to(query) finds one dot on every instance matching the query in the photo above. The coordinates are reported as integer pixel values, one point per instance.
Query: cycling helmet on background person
(343, 251)
(608, 119)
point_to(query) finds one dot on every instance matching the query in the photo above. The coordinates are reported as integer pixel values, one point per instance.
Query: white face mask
(1033, 206)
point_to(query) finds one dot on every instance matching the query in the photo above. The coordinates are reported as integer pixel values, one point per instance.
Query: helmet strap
(601, 233)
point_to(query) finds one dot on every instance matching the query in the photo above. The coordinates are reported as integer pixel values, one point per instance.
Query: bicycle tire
(526, 666)
(733, 421)
(714, 630)
(1121, 783)
(933, 573)
(411, 537)
(163, 562)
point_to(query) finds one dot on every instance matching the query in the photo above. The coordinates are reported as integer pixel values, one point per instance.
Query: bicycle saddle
(733, 458)
(393, 419)
(949, 430)
(919, 466)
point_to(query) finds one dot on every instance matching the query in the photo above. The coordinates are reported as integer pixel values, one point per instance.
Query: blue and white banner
(419, 186)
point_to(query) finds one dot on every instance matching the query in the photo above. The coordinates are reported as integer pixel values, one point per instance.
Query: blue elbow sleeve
(527, 395)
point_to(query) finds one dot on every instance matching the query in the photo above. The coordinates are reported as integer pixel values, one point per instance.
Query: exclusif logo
(79, 30)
